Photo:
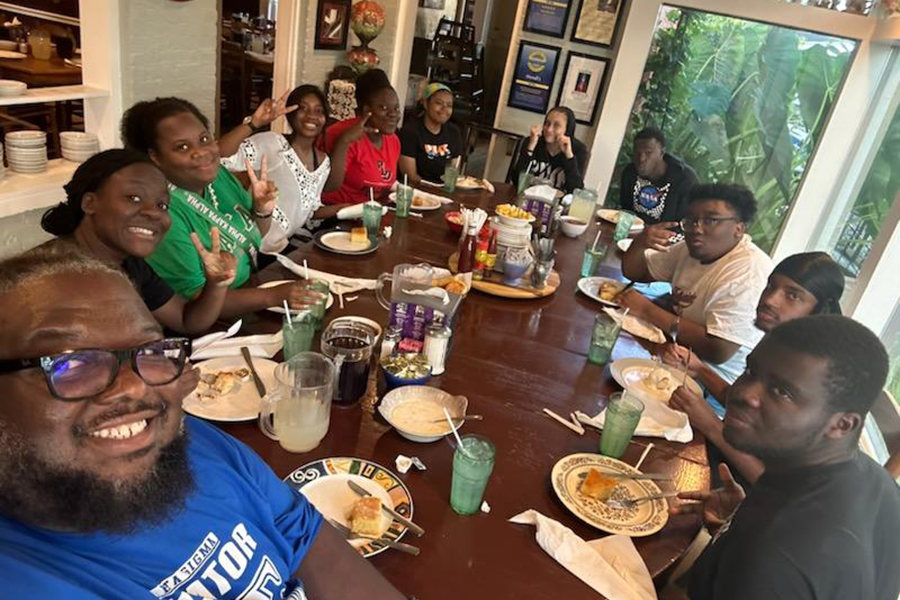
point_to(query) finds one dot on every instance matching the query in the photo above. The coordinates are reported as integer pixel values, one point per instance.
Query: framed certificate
(583, 81)
(595, 22)
(547, 17)
(533, 76)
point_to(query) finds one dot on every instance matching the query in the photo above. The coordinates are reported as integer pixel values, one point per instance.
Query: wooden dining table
(511, 358)
(40, 73)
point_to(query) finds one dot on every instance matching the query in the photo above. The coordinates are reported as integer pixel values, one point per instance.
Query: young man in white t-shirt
(717, 275)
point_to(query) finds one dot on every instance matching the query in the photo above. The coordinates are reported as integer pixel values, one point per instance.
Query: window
(740, 101)
(891, 339)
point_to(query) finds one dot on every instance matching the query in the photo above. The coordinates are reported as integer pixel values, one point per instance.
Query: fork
(632, 502)
(345, 531)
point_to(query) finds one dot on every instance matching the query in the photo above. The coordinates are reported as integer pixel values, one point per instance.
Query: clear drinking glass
(603, 338)
(472, 466)
(593, 257)
(451, 174)
(372, 219)
(623, 413)
(298, 333)
(405, 195)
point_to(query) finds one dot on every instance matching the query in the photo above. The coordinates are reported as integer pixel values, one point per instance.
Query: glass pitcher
(40, 44)
(298, 411)
(583, 205)
(404, 277)
(349, 344)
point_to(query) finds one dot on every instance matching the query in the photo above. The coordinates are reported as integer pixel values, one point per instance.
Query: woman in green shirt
(176, 137)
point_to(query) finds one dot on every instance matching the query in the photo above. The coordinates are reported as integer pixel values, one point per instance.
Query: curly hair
(140, 121)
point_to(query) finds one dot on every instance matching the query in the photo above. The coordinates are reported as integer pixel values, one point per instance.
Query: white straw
(287, 311)
(596, 239)
(461, 447)
(405, 180)
(563, 422)
(371, 194)
(305, 270)
(643, 456)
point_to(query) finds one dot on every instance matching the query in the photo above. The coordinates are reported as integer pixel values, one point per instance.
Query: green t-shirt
(224, 204)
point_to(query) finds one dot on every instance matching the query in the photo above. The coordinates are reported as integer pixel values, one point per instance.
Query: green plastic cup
(405, 195)
(472, 468)
(593, 258)
(372, 219)
(603, 339)
(451, 174)
(623, 226)
(298, 333)
(319, 292)
(623, 413)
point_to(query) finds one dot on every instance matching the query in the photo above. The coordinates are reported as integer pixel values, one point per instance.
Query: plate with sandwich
(324, 483)
(585, 482)
(353, 242)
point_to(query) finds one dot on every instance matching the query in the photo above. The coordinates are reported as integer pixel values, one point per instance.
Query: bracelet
(260, 215)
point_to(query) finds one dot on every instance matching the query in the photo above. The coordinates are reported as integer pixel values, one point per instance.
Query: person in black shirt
(655, 184)
(822, 522)
(553, 153)
(428, 142)
(116, 209)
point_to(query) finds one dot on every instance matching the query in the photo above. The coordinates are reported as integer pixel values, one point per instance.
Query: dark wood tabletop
(40, 73)
(511, 358)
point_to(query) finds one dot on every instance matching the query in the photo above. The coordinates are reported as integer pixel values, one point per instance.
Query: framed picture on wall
(547, 17)
(595, 22)
(582, 85)
(533, 76)
(332, 24)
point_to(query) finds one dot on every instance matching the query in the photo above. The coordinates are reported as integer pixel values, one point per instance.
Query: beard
(65, 498)
(786, 450)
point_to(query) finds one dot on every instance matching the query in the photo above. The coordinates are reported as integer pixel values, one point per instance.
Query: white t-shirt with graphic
(726, 294)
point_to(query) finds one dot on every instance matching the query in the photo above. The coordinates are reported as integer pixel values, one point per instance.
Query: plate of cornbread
(584, 483)
(324, 483)
(352, 242)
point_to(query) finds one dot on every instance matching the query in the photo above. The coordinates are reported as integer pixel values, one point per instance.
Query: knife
(260, 386)
(399, 518)
(345, 531)
(654, 476)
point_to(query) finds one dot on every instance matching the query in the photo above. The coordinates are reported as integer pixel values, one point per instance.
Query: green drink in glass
(298, 333)
(623, 226)
(593, 257)
(623, 413)
(472, 466)
(405, 195)
(372, 219)
(603, 339)
(318, 291)
(451, 174)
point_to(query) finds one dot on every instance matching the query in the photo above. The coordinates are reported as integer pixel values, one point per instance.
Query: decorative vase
(367, 22)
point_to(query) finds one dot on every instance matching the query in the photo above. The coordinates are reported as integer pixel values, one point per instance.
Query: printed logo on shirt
(386, 175)
(437, 150)
(650, 199)
(216, 569)
(542, 169)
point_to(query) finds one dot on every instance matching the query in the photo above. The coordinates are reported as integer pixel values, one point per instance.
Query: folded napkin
(541, 192)
(262, 346)
(441, 199)
(346, 285)
(637, 327)
(657, 420)
(350, 213)
(611, 565)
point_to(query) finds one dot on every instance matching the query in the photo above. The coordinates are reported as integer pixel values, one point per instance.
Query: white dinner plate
(340, 242)
(590, 287)
(612, 216)
(280, 309)
(644, 519)
(633, 373)
(242, 402)
(11, 54)
(426, 201)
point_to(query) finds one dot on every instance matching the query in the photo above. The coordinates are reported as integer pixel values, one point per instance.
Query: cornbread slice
(365, 518)
(358, 236)
(598, 486)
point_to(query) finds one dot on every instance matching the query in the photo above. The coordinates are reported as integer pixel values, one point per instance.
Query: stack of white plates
(512, 236)
(78, 146)
(26, 151)
(2, 168)
(11, 87)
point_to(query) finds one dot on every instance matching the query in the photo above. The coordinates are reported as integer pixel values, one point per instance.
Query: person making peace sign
(176, 137)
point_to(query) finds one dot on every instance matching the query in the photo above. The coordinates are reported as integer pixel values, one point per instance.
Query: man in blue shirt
(107, 490)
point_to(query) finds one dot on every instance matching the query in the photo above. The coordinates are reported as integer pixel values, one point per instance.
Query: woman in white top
(300, 170)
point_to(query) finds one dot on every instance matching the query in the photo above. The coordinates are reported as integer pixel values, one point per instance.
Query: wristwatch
(248, 121)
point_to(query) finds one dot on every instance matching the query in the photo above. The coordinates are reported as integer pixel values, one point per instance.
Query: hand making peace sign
(219, 266)
(270, 109)
(263, 191)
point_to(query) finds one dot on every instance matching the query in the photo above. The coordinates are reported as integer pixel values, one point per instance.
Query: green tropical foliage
(740, 102)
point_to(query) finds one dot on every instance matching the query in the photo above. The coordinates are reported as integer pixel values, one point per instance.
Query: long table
(511, 358)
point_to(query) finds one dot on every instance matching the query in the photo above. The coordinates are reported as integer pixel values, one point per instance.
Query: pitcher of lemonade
(584, 203)
(298, 411)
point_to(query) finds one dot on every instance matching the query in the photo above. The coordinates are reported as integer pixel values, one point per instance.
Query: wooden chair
(513, 144)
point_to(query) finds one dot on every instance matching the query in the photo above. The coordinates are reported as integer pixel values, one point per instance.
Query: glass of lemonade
(472, 466)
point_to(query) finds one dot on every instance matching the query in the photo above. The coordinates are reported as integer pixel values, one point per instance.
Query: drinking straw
(287, 311)
(305, 270)
(461, 447)
(643, 456)
(596, 239)
(371, 194)
(405, 180)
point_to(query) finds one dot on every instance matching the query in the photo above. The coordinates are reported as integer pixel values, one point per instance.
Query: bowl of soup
(417, 411)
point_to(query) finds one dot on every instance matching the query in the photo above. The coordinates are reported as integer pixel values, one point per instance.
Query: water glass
(298, 333)
(623, 226)
(372, 219)
(472, 466)
(603, 338)
(451, 174)
(623, 413)
(405, 195)
(320, 290)
(593, 257)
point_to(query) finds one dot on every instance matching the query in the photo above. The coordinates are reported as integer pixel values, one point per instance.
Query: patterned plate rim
(657, 520)
(301, 476)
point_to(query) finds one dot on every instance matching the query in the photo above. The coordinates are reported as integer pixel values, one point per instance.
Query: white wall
(21, 232)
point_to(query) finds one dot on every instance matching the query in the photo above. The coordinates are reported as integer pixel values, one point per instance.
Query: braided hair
(64, 218)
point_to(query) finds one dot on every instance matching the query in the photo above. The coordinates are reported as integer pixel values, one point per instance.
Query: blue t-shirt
(242, 534)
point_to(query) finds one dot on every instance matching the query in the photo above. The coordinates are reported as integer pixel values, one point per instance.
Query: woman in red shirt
(371, 161)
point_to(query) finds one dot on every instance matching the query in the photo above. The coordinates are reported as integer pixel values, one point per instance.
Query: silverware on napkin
(260, 386)
(345, 531)
(397, 516)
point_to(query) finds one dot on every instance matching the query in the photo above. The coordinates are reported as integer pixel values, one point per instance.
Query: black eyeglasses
(81, 374)
(706, 222)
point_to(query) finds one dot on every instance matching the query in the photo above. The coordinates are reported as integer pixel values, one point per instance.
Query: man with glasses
(107, 490)
(717, 275)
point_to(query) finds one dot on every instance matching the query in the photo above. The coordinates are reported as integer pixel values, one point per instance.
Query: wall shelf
(21, 192)
(54, 94)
